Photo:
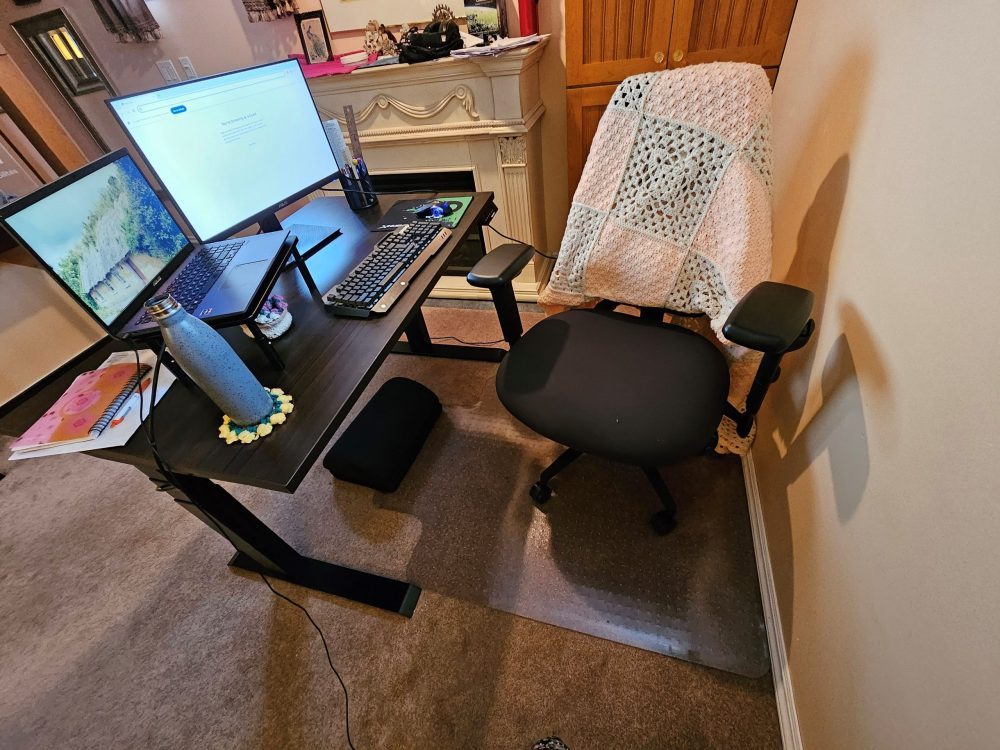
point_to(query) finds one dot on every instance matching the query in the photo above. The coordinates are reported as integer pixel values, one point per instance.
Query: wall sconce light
(65, 43)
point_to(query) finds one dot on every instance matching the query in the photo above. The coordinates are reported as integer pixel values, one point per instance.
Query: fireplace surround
(480, 116)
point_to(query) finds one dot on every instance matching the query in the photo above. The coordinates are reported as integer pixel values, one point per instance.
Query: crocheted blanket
(674, 206)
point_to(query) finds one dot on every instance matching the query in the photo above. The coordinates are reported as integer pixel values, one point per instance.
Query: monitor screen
(105, 234)
(232, 147)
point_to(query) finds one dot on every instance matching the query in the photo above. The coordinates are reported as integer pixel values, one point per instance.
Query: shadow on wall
(268, 40)
(793, 432)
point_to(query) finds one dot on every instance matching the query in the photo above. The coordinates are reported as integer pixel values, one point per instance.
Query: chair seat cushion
(638, 391)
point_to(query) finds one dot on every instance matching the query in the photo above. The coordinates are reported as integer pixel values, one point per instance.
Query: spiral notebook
(87, 407)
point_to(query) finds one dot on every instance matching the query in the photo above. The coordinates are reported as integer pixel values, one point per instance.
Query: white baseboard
(456, 287)
(791, 739)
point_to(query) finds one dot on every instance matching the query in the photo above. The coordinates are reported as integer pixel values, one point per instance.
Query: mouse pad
(406, 212)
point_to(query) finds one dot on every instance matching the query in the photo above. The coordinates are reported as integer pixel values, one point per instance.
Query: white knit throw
(674, 206)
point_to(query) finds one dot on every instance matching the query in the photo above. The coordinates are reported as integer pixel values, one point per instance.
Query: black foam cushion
(638, 391)
(379, 446)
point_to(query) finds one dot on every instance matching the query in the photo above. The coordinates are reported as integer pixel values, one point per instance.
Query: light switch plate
(188, 67)
(168, 71)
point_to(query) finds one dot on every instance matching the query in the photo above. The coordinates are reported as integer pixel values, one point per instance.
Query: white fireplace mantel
(478, 115)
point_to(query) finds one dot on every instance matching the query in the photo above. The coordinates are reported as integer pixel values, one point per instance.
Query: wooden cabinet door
(584, 108)
(608, 40)
(732, 30)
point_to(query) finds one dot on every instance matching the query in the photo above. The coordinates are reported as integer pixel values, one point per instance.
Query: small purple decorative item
(273, 319)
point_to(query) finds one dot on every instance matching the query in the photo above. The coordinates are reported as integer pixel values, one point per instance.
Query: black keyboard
(378, 280)
(204, 268)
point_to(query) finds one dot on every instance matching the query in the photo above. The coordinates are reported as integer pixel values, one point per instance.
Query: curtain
(129, 20)
(269, 10)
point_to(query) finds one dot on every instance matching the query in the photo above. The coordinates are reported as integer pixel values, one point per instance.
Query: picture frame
(314, 36)
(486, 19)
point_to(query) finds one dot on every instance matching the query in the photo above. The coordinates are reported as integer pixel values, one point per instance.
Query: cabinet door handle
(678, 55)
(658, 58)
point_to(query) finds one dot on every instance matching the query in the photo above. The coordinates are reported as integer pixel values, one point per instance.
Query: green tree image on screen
(125, 239)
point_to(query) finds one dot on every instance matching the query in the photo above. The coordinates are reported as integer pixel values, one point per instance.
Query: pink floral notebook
(85, 409)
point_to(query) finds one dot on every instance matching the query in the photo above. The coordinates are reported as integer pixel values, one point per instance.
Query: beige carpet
(123, 627)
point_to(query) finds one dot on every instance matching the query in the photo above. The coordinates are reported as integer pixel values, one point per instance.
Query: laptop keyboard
(201, 272)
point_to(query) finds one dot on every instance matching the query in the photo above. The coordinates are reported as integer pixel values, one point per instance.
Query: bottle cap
(161, 306)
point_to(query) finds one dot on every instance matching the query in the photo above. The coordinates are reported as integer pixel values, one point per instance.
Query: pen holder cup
(359, 191)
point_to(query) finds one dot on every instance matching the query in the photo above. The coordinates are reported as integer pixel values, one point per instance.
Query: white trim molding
(384, 101)
(791, 739)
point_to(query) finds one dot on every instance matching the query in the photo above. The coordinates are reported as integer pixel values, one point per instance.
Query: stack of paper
(499, 46)
(127, 420)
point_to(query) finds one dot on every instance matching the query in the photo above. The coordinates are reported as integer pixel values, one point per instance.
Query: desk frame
(329, 391)
(260, 550)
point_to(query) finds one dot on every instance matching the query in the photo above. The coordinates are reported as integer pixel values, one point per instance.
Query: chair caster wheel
(663, 522)
(540, 492)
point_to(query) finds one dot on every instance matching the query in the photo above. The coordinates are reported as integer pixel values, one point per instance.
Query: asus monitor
(231, 149)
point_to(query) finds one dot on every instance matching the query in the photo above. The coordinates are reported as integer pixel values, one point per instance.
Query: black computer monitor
(231, 149)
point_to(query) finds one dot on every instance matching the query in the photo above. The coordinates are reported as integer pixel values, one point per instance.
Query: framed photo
(314, 36)
(487, 19)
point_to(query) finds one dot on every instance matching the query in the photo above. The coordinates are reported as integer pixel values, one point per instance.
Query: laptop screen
(105, 234)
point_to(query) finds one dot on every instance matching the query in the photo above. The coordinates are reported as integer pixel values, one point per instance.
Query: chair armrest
(771, 318)
(500, 266)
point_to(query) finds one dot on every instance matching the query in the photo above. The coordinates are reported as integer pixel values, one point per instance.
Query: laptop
(109, 241)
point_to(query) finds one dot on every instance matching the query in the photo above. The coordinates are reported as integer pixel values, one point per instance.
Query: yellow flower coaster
(281, 407)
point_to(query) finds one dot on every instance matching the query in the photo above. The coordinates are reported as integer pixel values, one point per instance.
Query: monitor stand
(313, 236)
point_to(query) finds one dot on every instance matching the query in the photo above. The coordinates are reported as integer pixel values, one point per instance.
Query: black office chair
(634, 389)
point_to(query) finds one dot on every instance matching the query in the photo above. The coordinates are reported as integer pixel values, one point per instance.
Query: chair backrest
(674, 206)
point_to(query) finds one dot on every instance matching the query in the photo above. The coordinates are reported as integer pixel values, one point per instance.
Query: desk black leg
(417, 335)
(418, 341)
(260, 550)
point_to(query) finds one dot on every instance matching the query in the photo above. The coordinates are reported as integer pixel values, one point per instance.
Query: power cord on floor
(469, 343)
(149, 430)
(347, 704)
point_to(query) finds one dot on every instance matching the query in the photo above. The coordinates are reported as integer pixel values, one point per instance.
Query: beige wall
(877, 453)
(552, 71)
(216, 35)
(41, 328)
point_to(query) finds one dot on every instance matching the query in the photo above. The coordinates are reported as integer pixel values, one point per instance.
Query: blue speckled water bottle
(211, 362)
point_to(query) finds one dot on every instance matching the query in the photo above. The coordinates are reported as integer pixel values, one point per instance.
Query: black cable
(347, 704)
(519, 242)
(469, 343)
(149, 429)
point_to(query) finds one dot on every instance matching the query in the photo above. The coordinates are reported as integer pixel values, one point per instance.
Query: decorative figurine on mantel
(379, 39)
(443, 14)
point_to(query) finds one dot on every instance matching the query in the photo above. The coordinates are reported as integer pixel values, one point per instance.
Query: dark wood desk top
(328, 363)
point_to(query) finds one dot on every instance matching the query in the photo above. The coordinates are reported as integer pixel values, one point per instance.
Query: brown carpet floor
(120, 625)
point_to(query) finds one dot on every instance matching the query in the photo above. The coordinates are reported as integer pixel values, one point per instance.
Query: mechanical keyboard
(378, 280)
(191, 285)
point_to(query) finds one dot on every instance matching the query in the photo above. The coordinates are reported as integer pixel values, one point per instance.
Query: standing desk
(328, 363)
